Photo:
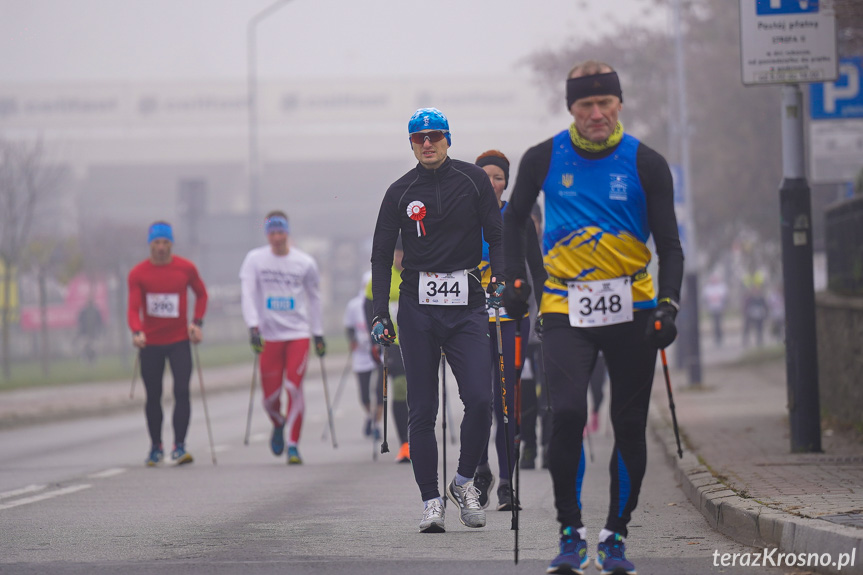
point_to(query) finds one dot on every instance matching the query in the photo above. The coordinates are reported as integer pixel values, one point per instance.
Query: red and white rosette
(416, 212)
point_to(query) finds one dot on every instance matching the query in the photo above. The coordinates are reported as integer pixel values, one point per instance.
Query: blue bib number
(280, 303)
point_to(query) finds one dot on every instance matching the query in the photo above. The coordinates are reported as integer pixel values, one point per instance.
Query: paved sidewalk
(738, 470)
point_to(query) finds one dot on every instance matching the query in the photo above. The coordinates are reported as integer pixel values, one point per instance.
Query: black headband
(501, 163)
(595, 85)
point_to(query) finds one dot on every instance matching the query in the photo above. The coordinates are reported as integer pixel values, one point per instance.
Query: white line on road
(259, 436)
(107, 473)
(22, 491)
(48, 495)
(221, 448)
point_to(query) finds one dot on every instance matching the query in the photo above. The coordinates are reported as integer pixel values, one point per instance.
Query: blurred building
(136, 153)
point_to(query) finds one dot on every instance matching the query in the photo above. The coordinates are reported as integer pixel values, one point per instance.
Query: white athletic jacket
(281, 295)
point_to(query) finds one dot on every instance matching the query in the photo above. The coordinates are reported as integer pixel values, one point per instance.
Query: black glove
(383, 330)
(661, 330)
(255, 340)
(320, 346)
(537, 327)
(495, 291)
(515, 298)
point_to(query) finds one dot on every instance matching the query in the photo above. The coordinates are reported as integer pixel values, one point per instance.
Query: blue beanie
(160, 230)
(429, 119)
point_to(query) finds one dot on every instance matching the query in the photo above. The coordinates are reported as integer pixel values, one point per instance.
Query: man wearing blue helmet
(442, 208)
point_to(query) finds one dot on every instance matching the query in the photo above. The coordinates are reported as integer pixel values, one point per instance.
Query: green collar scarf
(580, 141)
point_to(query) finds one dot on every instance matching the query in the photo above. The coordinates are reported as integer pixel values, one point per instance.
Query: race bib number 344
(601, 302)
(448, 288)
(163, 305)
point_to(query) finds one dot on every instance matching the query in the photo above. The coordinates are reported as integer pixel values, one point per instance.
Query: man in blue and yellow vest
(605, 194)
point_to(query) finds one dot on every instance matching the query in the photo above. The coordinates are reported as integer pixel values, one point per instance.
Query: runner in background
(158, 318)
(496, 165)
(281, 303)
(362, 360)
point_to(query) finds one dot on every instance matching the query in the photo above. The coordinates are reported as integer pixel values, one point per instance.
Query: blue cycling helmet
(429, 119)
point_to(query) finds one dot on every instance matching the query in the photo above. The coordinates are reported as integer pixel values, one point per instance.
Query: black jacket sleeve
(531, 174)
(659, 191)
(534, 262)
(383, 244)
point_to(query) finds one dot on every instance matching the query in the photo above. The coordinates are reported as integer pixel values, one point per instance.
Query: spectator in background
(90, 326)
(715, 296)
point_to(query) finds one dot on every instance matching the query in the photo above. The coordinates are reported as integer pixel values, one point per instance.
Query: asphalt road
(75, 497)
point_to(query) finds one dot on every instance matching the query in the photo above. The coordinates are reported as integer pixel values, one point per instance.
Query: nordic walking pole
(342, 381)
(327, 399)
(658, 326)
(385, 448)
(518, 366)
(516, 500)
(204, 401)
(505, 410)
(251, 400)
(443, 385)
(135, 374)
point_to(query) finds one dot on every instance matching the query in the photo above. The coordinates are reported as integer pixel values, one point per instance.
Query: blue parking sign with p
(774, 7)
(842, 98)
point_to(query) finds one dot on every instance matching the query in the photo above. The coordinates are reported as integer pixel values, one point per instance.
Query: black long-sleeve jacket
(458, 207)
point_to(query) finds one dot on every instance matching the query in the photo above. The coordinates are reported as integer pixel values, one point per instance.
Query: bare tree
(26, 183)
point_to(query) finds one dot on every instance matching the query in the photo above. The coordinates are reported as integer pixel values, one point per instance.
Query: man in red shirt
(157, 316)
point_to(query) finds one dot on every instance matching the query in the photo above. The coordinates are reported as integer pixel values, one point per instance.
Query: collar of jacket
(444, 168)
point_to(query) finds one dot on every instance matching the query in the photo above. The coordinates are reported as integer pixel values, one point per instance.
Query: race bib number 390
(448, 288)
(163, 305)
(601, 302)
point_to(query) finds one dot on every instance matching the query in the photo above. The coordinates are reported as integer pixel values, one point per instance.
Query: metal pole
(801, 354)
(690, 340)
(251, 55)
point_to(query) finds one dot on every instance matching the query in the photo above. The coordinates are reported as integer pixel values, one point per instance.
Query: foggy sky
(89, 40)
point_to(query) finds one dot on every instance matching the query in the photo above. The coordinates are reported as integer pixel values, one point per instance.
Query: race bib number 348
(449, 288)
(163, 305)
(601, 302)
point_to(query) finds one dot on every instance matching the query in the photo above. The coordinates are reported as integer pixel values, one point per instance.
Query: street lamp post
(251, 51)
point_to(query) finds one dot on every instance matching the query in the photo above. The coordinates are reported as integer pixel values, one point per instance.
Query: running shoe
(504, 499)
(573, 554)
(294, 455)
(611, 557)
(180, 456)
(277, 441)
(432, 521)
(404, 455)
(483, 481)
(156, 456)
(466, 497)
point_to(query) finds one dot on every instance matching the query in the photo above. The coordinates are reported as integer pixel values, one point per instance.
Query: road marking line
(107, 473)
(49, 495)
(260, 436)
(221, 448)
(22, 491)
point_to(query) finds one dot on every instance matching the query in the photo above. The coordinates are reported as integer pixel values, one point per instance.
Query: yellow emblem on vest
(567, 180)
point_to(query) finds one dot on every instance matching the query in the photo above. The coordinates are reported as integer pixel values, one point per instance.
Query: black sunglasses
(433, 137)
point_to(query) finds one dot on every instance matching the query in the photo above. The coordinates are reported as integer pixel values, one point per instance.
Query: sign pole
(801, 353)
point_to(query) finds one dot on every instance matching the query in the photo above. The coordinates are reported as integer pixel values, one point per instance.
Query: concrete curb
(747, 521)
